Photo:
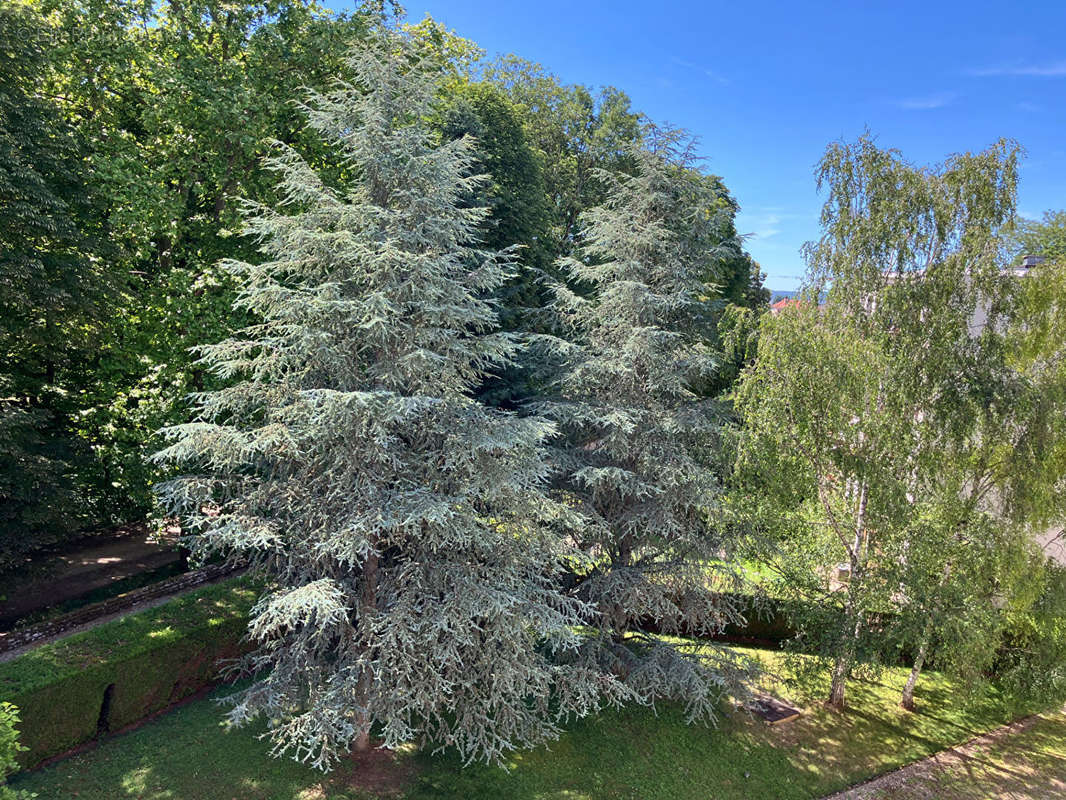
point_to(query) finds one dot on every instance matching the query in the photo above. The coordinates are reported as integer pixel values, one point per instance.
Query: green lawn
(188, 755)
(1024, 765)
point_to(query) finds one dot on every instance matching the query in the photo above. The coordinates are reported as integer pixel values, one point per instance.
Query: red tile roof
(784, 303)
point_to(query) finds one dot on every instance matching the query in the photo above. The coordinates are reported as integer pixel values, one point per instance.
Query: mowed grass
(1023, 765)
(632, 753)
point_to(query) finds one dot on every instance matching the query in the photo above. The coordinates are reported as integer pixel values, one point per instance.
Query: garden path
(1025, 760)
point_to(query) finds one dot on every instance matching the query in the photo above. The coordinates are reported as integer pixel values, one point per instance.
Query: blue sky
(765, 86)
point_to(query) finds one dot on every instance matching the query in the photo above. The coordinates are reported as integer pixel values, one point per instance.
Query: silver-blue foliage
(402, 528)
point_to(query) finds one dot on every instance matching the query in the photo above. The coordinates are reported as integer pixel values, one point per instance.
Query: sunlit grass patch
(631, 753)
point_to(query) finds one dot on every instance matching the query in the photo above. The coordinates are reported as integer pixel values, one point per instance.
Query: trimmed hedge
(768, 619)
(73, 690)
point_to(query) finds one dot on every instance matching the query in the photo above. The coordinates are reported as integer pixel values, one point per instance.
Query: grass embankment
(189, 755)
(111, 676)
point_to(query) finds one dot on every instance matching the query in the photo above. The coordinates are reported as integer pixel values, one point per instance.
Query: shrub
(1031, 663)
(9, 750)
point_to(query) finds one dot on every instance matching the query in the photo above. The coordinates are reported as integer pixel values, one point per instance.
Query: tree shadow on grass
(1022, 764)
(634, 752)
(190, 755)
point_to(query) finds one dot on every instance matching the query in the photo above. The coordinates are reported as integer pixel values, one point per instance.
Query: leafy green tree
(925, 454)
(457, 58)
(978, 484)
(1031, 664)
(175, 99)
(1046, 237)
(516, 193)
(736, 296)
(516, 197)
(402, 526)
(52, 279)
(575, 132)
(984, 476)
(817, 478)
(738, 341)
(737, 279)
(964, 568)
(638, 441)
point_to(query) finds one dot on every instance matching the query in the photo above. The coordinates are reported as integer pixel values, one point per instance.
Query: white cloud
(714, 76)
(1051, 69)
(767, 229)
(928, 102)
(764, 223)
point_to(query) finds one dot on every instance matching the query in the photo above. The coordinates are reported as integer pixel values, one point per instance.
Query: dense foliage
(403, 526)
(471, 367)
(129, 131)
(174, 102)
(9, 750)
(638, 446)
(896, 429)
(53, 281)
(1045, 238)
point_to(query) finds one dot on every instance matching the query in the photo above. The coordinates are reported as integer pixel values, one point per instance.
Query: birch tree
(401, 527)
(910, 265)
(915, 255)
(818, 478)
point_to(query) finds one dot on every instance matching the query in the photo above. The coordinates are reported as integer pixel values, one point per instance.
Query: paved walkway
(1025, 760)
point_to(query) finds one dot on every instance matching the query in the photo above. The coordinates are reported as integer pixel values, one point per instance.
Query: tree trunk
(852, 628)
(852, 615)
(836, 689)
(367, 604)
(907, 701)
(362, 741)
(618, 612)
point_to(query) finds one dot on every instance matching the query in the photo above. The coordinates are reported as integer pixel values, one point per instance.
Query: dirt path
(15, 643)
(1025, 760)
(83, 567)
